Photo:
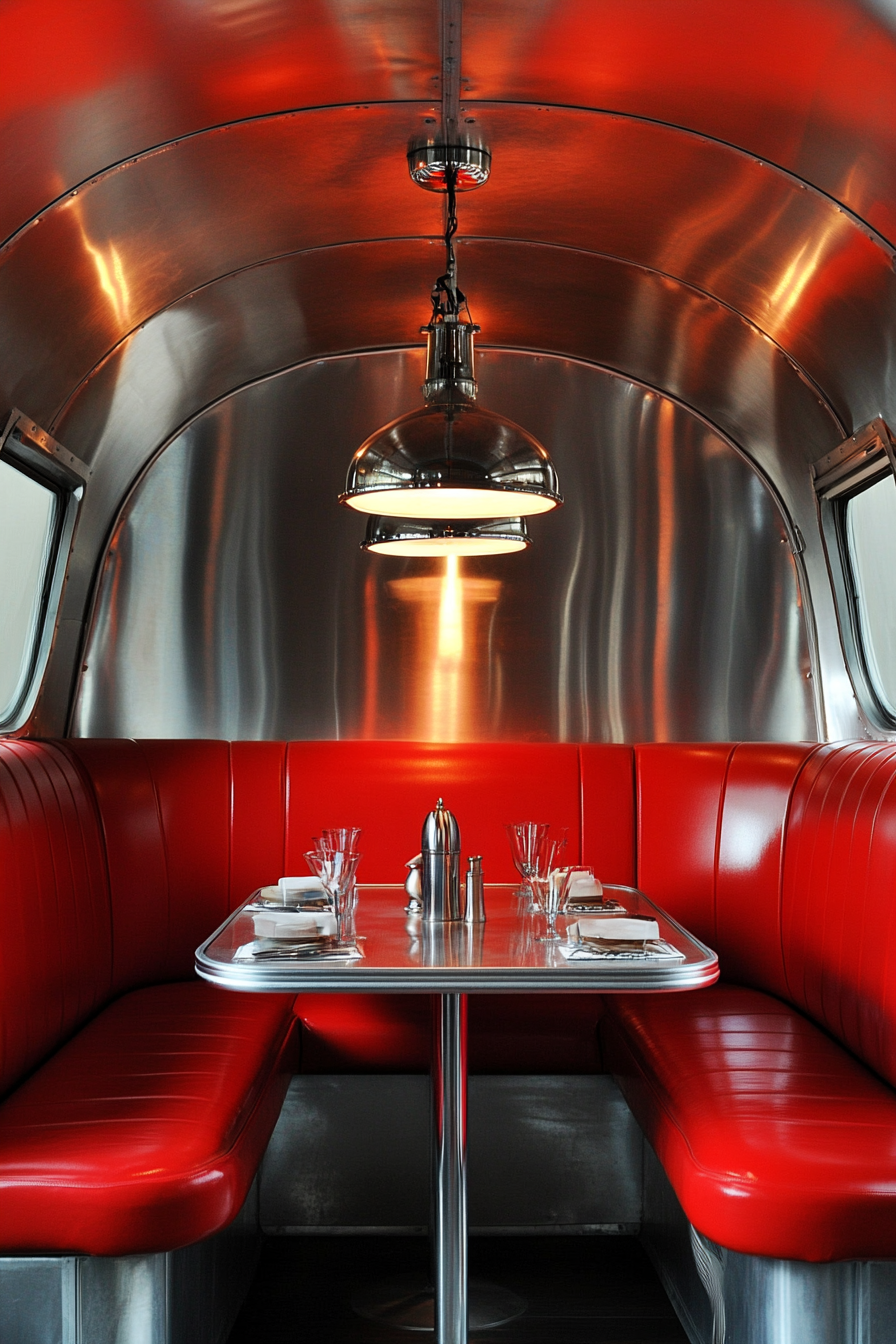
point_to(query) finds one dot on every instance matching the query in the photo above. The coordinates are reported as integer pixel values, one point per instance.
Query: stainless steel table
(449, 961)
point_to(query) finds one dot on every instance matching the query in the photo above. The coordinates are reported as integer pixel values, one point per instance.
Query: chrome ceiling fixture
(451, 460)
(416, 536)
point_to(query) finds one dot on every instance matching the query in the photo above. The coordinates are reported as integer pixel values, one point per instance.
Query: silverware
(596, 907)
(629, 947)
(615, 945)
(321, 949)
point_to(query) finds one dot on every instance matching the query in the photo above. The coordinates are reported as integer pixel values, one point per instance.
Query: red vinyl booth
(138, 1100)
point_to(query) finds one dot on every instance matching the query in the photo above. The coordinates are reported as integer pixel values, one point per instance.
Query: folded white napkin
(584, 888)
(290, 885)
(293, 924)
(616, 928)
(615, 939)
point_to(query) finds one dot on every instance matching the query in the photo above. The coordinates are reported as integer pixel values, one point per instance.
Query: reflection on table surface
(402, 953)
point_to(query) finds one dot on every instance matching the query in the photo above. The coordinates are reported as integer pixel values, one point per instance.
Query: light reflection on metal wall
(659, 603)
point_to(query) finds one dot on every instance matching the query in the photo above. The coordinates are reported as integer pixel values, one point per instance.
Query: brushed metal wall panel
(660, 603)
(107, 257)
(781, 78)
(91, 84)
(808, 85)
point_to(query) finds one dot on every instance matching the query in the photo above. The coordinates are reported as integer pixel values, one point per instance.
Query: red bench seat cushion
(145, 1130)
(776, 1140)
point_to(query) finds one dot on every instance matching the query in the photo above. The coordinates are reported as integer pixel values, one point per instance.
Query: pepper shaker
(474, 912)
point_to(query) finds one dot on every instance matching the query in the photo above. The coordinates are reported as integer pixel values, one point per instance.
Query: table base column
(449, 1167)
(453, 1308)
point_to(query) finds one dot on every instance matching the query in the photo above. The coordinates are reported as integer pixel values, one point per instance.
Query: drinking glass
(546, 889)
(343, 838)
(570, 876)
(524, 837)
(336, 870)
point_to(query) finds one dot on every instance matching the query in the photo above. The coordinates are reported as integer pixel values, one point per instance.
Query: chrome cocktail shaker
(441, 867)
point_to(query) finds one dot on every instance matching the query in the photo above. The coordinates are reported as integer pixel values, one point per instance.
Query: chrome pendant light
(412, 536)
(451, 460)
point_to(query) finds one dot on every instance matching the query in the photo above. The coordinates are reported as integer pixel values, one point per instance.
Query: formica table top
(403, 954)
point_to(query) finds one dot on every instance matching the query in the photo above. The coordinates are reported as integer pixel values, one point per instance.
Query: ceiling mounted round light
(429, 166)
(451, 459)
(415, 537)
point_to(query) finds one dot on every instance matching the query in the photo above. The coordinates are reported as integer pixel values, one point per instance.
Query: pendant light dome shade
(403, 537)
(452, 461)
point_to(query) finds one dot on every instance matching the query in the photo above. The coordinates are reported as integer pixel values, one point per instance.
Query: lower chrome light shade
(405, 536)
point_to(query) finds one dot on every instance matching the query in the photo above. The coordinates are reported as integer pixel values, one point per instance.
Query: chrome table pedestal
(450, 1305)
(503, 955)
(449, 1177)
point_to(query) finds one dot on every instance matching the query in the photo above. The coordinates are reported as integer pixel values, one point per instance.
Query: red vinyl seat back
(190, 828)
(839, 898)
(56, 948)
(712, 826)
(388, 787)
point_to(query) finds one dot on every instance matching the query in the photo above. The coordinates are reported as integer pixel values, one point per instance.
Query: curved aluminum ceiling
(200, 192)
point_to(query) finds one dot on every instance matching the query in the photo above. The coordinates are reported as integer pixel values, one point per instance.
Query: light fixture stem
(448, 302)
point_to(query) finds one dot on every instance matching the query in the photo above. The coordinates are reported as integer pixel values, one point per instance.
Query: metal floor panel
(351, 1153)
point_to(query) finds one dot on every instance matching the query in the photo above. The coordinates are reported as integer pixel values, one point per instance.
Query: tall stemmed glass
(341, 839)
(525, 837)
(336, 870)
(546, 890)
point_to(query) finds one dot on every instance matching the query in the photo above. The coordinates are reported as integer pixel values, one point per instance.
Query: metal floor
(599, 1290)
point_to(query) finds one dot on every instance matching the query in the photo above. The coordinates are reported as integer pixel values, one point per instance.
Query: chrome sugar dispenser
(441, 867)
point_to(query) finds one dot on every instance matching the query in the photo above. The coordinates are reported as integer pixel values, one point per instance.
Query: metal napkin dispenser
(441, 867)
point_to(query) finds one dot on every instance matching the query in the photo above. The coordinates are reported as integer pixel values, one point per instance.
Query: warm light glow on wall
(450, 613)
(451, 616)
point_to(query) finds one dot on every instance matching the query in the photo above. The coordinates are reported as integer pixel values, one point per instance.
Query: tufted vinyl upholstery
(192, 827)
(388, 787)
(839, 899)
(768, 1098)
(56, 948)
(149, 1100)
(777, 1140)
(146, 1110)
(144, 1132)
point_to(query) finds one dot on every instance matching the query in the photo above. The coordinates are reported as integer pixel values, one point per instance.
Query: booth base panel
(723, 1297)
(188, 1296)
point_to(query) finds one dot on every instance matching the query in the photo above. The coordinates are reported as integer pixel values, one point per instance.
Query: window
(856, 492)
(870, 531)
(28, 526)
(41, 485)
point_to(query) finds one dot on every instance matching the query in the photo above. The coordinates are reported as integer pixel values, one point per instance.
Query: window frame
(30, 450)
(861, 461)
